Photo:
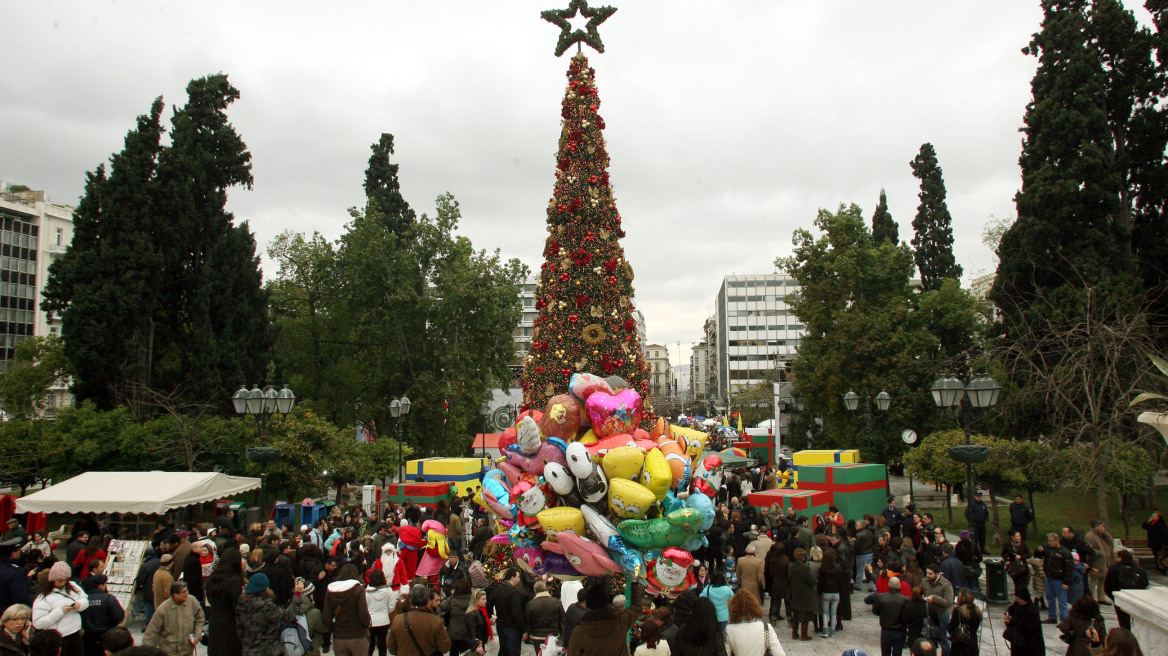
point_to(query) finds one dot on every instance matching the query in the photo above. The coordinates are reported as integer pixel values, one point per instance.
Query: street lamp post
(398, 409)
(982, 392)
(261, 405)
(852, 403)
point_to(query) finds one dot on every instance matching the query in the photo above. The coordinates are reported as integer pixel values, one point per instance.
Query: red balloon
(506, 439)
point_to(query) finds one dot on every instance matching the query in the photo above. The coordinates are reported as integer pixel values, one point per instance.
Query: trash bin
(996, 581)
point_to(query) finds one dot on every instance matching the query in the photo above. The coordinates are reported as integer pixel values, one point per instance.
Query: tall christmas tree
(585, 289)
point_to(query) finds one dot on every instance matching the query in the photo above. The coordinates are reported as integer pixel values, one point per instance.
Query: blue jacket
(953, 570)
(13, 585)
(893, 517)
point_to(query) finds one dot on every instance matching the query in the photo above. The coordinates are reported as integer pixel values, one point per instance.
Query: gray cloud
(729, 124)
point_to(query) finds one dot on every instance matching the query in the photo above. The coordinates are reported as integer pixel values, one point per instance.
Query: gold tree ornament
(588, 35)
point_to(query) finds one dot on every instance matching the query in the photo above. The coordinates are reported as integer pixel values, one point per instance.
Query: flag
(739, 423)
(726, 420)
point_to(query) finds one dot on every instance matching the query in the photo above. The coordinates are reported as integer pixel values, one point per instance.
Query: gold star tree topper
(568, 36)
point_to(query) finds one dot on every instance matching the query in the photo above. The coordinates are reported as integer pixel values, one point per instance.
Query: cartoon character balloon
(582, 489)
(669, 574)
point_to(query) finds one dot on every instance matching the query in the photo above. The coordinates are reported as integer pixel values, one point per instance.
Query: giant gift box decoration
(823, 457)
(422, 494)
(856, 489)
(805, 502)
(462, 473)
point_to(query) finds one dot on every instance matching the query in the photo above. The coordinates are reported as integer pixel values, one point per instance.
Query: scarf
(487, 619)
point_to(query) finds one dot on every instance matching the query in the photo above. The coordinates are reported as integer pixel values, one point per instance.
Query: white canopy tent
(154, 492)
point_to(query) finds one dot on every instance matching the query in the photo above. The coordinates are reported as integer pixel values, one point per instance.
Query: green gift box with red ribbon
(855, 488)
(805, 502)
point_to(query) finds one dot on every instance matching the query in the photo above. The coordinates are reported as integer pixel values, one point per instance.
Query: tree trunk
(949, 502)
(1033, 510)
(1101, 493)
(1123, 512)
(994, 511)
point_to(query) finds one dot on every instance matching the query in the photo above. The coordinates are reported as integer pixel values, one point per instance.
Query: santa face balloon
(530, 498)
(672, 566)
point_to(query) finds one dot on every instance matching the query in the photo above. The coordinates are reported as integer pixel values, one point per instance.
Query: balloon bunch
(583, 490)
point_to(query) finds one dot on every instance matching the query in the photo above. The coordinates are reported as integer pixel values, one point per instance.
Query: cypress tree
(383, 190)
(217, 332)
(884, 228)
(932, 226)
(161, 292)
(106, 287)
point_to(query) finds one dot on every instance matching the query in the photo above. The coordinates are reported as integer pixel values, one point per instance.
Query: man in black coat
(225, 525)
(574, 614)
(893, 518)
(506, 602)
(75, 547)
(13, 580)
(1124, 575)
(977, 514)
(482, 535)
(15, 530)
(1020, 515)
(1057, 567)
(890, 607)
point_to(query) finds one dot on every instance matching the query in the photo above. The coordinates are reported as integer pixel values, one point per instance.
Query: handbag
(766, 639)
(1016, 568)
(960, 632)
(929, 628)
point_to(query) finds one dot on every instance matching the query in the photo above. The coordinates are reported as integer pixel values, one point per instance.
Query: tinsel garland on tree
(585, 289)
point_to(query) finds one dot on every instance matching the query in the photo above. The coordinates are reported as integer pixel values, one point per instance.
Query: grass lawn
(1054, 510)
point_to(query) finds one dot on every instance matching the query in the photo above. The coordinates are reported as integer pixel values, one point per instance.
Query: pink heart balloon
(613, 414)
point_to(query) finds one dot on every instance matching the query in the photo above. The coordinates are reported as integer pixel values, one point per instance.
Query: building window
(59, 235)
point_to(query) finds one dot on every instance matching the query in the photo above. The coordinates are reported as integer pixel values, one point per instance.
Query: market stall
(151, 493)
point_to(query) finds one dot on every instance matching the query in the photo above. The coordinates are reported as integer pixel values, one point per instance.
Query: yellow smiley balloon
(623, 462)
(657, 475)
(629, 500)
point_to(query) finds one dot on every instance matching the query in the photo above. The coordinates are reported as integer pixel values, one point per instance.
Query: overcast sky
(729, 123)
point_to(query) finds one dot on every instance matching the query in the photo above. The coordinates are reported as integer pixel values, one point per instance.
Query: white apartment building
(699, 368)
(660, 374)
(754, 330)
(33, 232)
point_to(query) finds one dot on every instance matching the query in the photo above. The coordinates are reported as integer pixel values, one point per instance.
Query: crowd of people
(350, 585)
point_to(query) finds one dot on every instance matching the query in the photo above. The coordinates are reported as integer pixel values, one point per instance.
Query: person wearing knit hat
(256, 584)
(59, 606)
(258, 617)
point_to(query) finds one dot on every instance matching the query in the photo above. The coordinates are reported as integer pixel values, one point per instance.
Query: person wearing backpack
(1125, 575)
(259, 621)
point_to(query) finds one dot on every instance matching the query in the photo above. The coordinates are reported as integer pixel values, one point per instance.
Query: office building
(753, 331)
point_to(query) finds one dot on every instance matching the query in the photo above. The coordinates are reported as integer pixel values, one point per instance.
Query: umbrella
(710, 422)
